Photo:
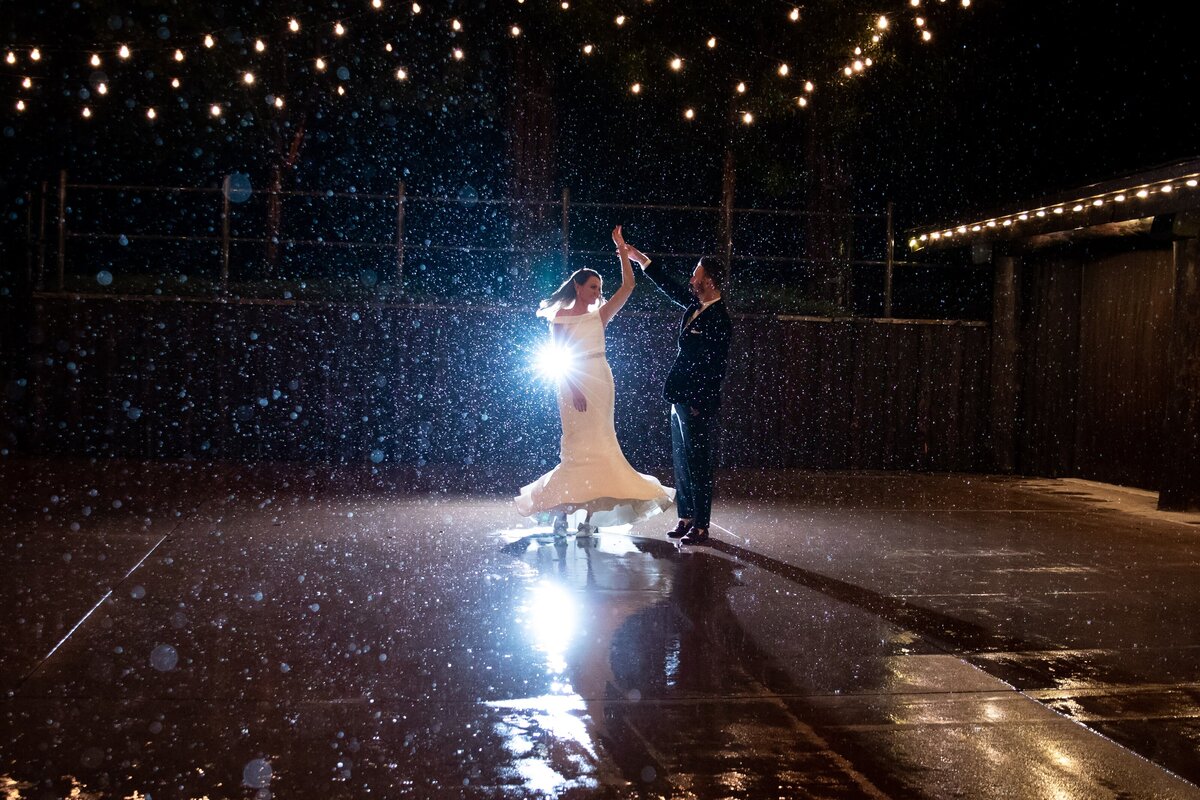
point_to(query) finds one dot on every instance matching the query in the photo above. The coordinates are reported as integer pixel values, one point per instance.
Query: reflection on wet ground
(239, 637)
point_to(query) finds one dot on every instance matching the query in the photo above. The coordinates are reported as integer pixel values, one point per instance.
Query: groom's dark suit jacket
(695, 377)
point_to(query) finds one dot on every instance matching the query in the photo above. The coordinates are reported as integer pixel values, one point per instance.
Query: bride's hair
(566, 293)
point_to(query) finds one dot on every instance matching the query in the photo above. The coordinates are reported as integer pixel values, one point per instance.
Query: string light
(802, 101)
(636, 88)
(95, 61)
(11, 58)
(783, 70)
(808, 86)
(794, 15)
(208, 40)
(339, 29)
(102, 88)
(620, 20)
(564, 5)
(294, 25)
(123, 52)
(882, 23)
(747, 118)
(677, 63)
(36, 55)
(174, 83)
(260, 45)
(458, 54)
(401, 74)
(920, 22)
(87, 113)
(515, 31)
(587, 49)
(320, 64)
(376, 4)
(341, 90)
(27, 83)
(279, 102)
(455, 25)
(20, 105)
(416, 8)
(215, 110)
(151, 113)
(741, 87)
(248, 78)
(926, 36)
(689, 113)
(712, 42)
(179, 55)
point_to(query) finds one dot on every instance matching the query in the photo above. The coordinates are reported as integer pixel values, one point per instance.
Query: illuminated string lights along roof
(145, 55)
(1162, 190)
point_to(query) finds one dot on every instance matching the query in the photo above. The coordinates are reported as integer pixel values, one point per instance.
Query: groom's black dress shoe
(680, 530)
(695, 536)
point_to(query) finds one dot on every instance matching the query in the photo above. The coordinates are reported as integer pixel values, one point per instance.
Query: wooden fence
(258, 381)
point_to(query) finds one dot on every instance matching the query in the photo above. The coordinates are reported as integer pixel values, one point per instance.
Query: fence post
(890, 257)
(62, 226)
(727, 178)
(41, 276)
(225, 185)
(400, 197)
(566, 229)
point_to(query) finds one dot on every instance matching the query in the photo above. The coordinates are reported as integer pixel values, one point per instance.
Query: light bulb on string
(882, 23)
(802, 101)
(868, 61)
(27, 83)
(636, 88)
(123, 52)
(20, 105)
(926, 36)
(179, 55)
(401, 74)
(174, 83)
(151, 113)
(215, 110)
(588, 49)
(320, 65)
(455, 25)
(677, 63)
(102, 88)
(86, 113)
(920, 22)
(279, 102)
(416, 8)
(712, 42)
(341, 90)
(339, 29)
(689, 113)
(35, 55)
(248, 78)
(208, 40)
(783, 70)
(565, 5)
(94, 61)
(794, 15)
(741, 87)
(808, 86)
(388, 47)
(515, 31)
(847, 72)
(376, 4)
(458, 54)
(259, 45)
(11, 58)
(966, 3)
(620, 20)
(747, 118)
(875, 39)
(294, 25)
(858, 65)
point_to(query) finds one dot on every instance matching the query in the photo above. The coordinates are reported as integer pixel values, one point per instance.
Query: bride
(592, 474)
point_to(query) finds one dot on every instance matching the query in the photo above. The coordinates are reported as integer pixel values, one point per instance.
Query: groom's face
(696, 284)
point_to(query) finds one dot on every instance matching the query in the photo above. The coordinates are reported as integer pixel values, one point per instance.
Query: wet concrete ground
(190, 631)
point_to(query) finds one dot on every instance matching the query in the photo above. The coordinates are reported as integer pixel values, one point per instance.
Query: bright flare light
(554, 361)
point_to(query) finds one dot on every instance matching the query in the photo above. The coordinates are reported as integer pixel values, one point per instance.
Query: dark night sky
(1019, 99)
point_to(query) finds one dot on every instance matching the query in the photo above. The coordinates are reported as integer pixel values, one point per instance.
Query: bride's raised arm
(614, 303)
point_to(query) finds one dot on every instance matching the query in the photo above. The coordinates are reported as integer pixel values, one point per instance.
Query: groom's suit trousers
(692, 455)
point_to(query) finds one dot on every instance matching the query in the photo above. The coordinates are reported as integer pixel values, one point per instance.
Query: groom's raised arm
(675, 291)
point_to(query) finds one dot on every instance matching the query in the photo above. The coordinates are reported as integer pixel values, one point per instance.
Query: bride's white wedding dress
(592, 473)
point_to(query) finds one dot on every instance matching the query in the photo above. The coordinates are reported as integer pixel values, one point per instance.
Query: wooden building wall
(1095, 331)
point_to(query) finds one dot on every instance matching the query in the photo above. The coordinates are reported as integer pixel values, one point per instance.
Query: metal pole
(41, 277)
(891, 251)
(62, 226)
(566, 229)
(400, 196)
(225, 233)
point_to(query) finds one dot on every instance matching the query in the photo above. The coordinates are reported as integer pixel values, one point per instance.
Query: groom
(693, 387)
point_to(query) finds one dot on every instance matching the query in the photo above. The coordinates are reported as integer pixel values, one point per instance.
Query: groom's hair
(714, 268)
